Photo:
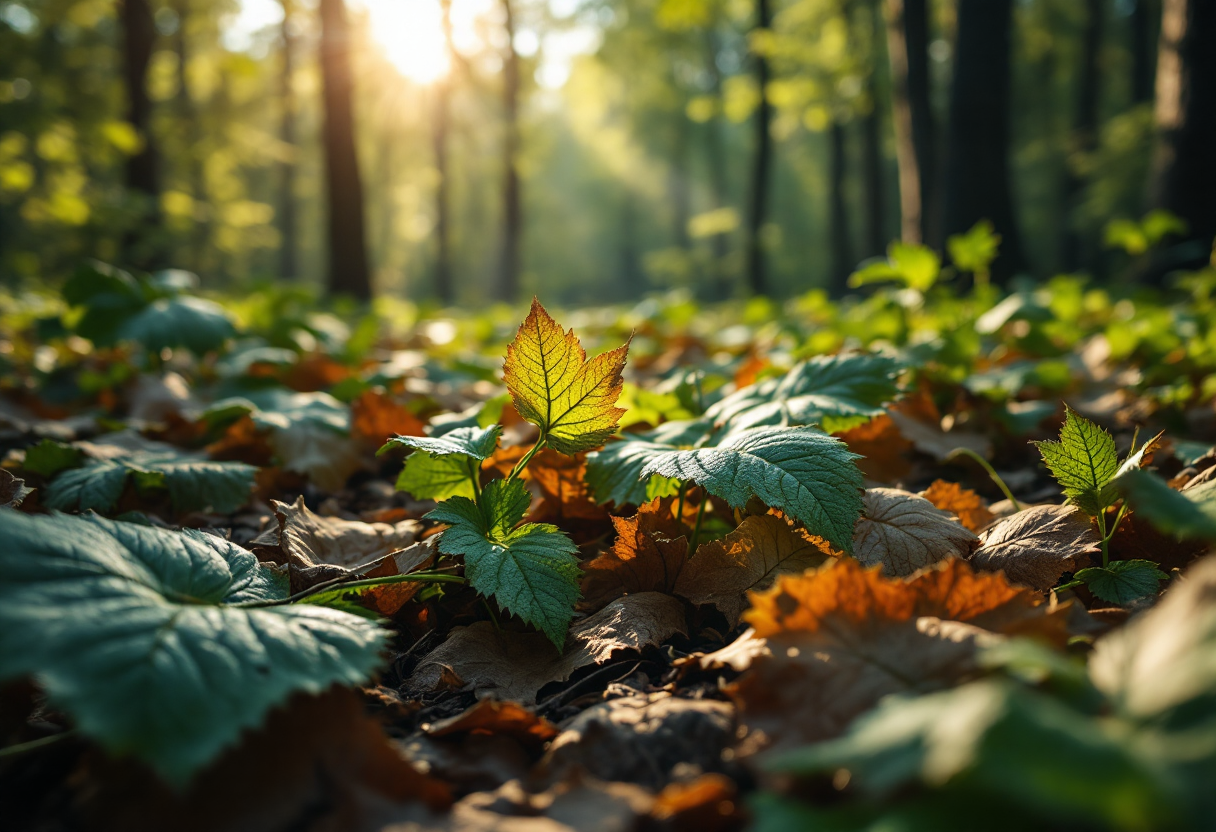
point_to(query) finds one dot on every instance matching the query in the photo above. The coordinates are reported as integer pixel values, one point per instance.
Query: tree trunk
(512, 209)
(761, 163)
(142, 169)
(722, 286)
(912, 114)
(977, 174)
(443, 286)
(1084, 139)
(873, 191)
(349, 272)
(1141, 26)
(288, 265)
(192, 140)
(838, 217)
(1184, 158)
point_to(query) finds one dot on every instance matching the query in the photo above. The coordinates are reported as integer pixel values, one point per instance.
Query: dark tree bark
(1184, 157)
(838, 217)
(349, 272)
(722, 286)
(912, 114)
(143, 168)
(443, 285)
(1140, 25)
(872, 179)
(1084, 139)
(288, 265)
(761, 164)
(977, 173)
(507, 288)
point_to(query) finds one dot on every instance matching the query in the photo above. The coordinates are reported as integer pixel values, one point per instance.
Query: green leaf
(469, 441)
(1123, 581)
(1083, 462)
(1186, 514)
(975, 250)
(807, 474)
(193, 484)
(447, 465)
(615, 473)
(916, 266)
(49, 457)
(194, 323)
(532, 571)
(133, 631)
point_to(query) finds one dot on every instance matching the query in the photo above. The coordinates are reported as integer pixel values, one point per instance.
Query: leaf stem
(33, 745)
(696, 529)
(344, 583)
(1105, 537)
(523, 463)
(680, 502)
(993, 475)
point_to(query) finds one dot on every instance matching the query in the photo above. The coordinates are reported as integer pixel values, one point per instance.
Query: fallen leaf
(374, 417)
(904, 532)
(930, 439)
(650, 550)
(706, 804)
(751, 557)
(492, 717)
(314, 372)
(882, 447)
(563, 488)
(509, 665)
(843, 637)
(738, 655)
(641, 738)
(13, 490)
(308, 539)
(964, 503)
(1035, 547)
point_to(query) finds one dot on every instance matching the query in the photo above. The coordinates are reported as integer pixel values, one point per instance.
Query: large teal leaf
(532, 571)
(807, 474)
(137, 633)
(194, 323)
(193, 483)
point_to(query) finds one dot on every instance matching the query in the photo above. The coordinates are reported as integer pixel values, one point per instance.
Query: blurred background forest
(463, 151)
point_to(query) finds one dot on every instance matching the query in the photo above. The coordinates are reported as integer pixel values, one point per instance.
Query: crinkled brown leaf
(510, 665)
(751, 557)
(964, 503)
(1035, 547)
(904, 532)
(309, 539)
(845, 636)
(648, 555)
(13, 490)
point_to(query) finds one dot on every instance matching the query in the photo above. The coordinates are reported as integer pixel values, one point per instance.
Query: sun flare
(411, 34)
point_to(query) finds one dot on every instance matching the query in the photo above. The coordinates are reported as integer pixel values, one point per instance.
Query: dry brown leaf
(315, 372)
(904, 532)
(845, 636)
(492, 717)
(563, 486)
(13, 490)
(968, 506)
(706, 804)
(738, 655)
(308, 539)
(883, 448)
(374, 417)
(650, 551)
(316, 759)
(1037, 546)
(514, 666)
(917, 420)
(751, 557)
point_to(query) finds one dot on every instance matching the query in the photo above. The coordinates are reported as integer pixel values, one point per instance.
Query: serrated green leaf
(1186, 514)
(807, 474)
(532, 571)
(1123, 581)
(615, 473)
(133, 631)
(473, 442)
(1083, 462)
(193, 484)
(49, 457)
(1109, 494)
(437, 477)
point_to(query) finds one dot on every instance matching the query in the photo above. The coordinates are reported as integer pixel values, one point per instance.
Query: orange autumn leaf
(883, 448)
(374, 417)
(563, 487)
(964, 503)
(314, 372)
(650, 550)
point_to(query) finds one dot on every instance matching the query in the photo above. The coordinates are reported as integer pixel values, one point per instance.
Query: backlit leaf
(1083, 461)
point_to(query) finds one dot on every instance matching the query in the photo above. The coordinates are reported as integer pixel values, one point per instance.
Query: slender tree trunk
(761, 164)
(288, 265)
(873, 184)
(912, 114)
(977, 174)
(1084, 139)
(1184, 157)
(722, 284)
(443, 285)
(1141, 30)
(512, 208)
(142, 170)
(838, 217)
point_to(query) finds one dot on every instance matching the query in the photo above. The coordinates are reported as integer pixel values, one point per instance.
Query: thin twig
(996, 478)
(34, 745)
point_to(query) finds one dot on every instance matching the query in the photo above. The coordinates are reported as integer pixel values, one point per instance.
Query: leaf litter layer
(672, 581)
